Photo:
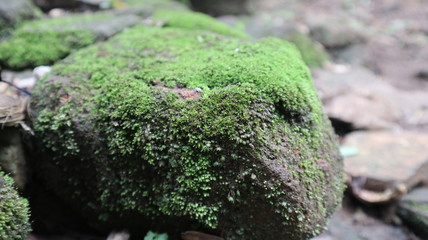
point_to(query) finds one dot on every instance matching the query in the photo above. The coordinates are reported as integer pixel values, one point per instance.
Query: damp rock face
(176, 129)
(14, 212)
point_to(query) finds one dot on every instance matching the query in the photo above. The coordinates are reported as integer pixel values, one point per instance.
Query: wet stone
(357, 96)
(386, 156)
(359, 226)
(16, 11)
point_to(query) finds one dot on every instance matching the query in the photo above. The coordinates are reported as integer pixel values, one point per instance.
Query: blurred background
(369, 62)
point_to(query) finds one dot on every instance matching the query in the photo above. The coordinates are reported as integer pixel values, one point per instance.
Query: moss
(45, 41)
(14, 212)
(180, 124)
(313, 55)
(196, 21)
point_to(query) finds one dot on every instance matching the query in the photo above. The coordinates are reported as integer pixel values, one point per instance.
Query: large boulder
(171, 129)
(14, 212)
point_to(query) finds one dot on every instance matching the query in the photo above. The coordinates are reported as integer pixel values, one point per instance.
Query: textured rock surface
(14, 12)
(12, 156)
(14, 213)
(386, 156)
(179, 129)
(413, 209)
(359, 97)
(221, 7)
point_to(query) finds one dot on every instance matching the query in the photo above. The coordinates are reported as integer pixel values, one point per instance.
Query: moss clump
(312, 54)
(14, 212)
(34, 48)
(194, 130)
(196, 21)
(46, 41)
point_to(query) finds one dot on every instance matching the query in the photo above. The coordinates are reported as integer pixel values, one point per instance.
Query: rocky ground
(375, 90)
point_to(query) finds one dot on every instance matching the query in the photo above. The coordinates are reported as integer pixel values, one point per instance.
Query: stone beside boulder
(193, 20)
(386, 156)
(45, 41)
(175, 129)
(413, 209)
(15, 12)
(221, 7)
(14, 212)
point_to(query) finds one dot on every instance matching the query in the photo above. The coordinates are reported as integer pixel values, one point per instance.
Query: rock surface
(17, 11)
(359, 226)
(357, 96)
(413, 209)
(181, 129)
(12, 156)
(221, 7)
(386, 156)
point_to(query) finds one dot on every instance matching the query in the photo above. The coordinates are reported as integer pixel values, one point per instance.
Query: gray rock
(12, 155)
(50, 4)
(359, 226)
(16, 11)
(221, 7)
(413, 209)
(335, 32)
(387, 156)
(357, 96)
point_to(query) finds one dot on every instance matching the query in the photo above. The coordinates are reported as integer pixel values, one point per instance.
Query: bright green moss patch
(14, 212)
(27, 49)
(189, 128)
(46, 41)
(196, 21)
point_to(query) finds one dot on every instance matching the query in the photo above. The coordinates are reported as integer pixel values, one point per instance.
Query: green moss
(420, 206)
(14, 212)
(197, 156)
(46, 41)
(28, 49)
(313, 55)
(196, 21)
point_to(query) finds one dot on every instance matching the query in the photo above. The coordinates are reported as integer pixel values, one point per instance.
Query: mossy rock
(313, 54)
(196, 21)
(45, 41)
(14, 211)
(171, 129)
